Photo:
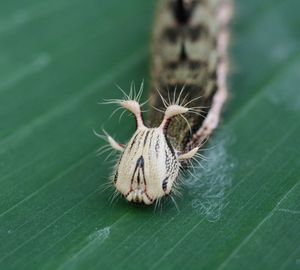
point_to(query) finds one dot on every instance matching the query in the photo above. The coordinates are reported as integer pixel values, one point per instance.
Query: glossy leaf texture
(240, 211)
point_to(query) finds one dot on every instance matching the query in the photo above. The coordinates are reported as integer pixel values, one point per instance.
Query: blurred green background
(241, 211)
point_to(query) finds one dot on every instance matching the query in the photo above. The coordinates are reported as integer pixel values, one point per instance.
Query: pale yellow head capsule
(148, 167)
(149, 164)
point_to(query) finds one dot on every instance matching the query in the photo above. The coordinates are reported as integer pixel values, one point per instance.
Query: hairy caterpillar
(188, 90)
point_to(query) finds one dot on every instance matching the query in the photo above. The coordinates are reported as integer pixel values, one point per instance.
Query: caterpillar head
(149, 164)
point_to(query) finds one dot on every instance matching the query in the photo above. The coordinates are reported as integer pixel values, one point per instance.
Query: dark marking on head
(139, 166)
(165, 183)
(143, 170)
(147, 134)
(117, 173)
(133, 141)
(170, 147)
(140, 162)
(139, 141)
(151, 136)
(149, 198)
(138, 177)
(182, 10)
(157, 146)
(116, 177)
(169, 162)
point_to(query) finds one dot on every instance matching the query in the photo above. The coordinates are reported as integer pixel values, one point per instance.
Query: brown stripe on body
(184, 55)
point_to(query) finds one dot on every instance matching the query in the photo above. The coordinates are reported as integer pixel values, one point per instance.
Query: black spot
(165, 183)
(196, 64)
(182, 10)
(116, 177)
(138, 177)
(197, 32)
(183, 55)
(140, 162)
(172, 65)
(171, 34)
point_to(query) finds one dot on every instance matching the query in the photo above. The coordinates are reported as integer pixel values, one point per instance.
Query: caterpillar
(188, 91)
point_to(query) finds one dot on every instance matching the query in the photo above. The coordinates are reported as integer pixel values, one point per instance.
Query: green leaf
(241, 211)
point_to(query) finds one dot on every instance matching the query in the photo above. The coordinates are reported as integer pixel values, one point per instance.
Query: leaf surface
(241, 211)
